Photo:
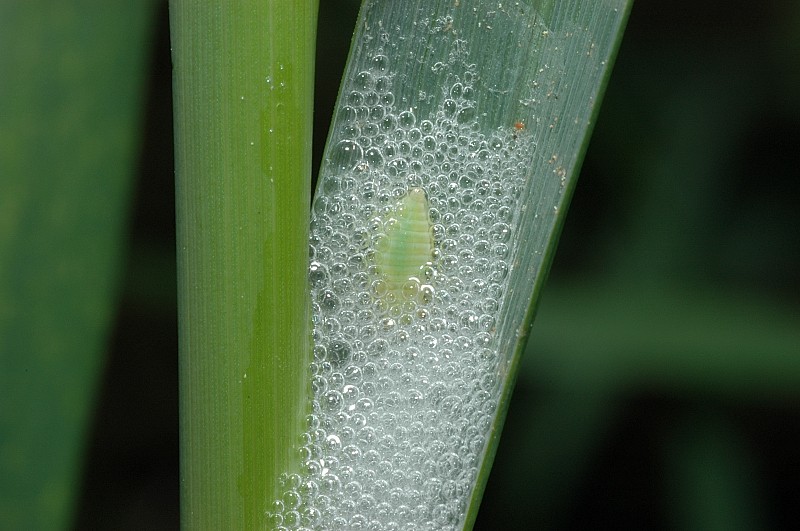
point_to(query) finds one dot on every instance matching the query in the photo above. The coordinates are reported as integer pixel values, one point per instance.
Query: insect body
(407, 246)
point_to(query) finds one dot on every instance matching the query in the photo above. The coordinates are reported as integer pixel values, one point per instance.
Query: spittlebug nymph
(407, 246)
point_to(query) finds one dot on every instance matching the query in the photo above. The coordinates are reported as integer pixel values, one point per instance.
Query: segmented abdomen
(408, 245)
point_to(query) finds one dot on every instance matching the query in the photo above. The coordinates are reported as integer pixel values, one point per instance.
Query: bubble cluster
(405, 379)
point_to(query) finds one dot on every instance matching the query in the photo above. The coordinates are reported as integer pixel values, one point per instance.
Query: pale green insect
(407, 247)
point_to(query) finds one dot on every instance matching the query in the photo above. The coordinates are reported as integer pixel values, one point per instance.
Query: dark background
(660, 387)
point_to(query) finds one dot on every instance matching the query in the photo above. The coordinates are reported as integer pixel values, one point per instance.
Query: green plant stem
(243, 105)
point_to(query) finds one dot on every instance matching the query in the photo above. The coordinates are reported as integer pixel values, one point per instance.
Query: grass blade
(70, 103)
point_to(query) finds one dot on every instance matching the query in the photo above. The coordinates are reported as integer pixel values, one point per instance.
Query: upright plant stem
(243, 103)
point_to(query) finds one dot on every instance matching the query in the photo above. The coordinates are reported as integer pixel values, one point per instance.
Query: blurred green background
(661, 387)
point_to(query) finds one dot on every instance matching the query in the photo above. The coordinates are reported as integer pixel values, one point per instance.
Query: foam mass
(406, 373)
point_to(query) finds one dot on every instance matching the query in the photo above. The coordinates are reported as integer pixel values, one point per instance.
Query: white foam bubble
(405, 380)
